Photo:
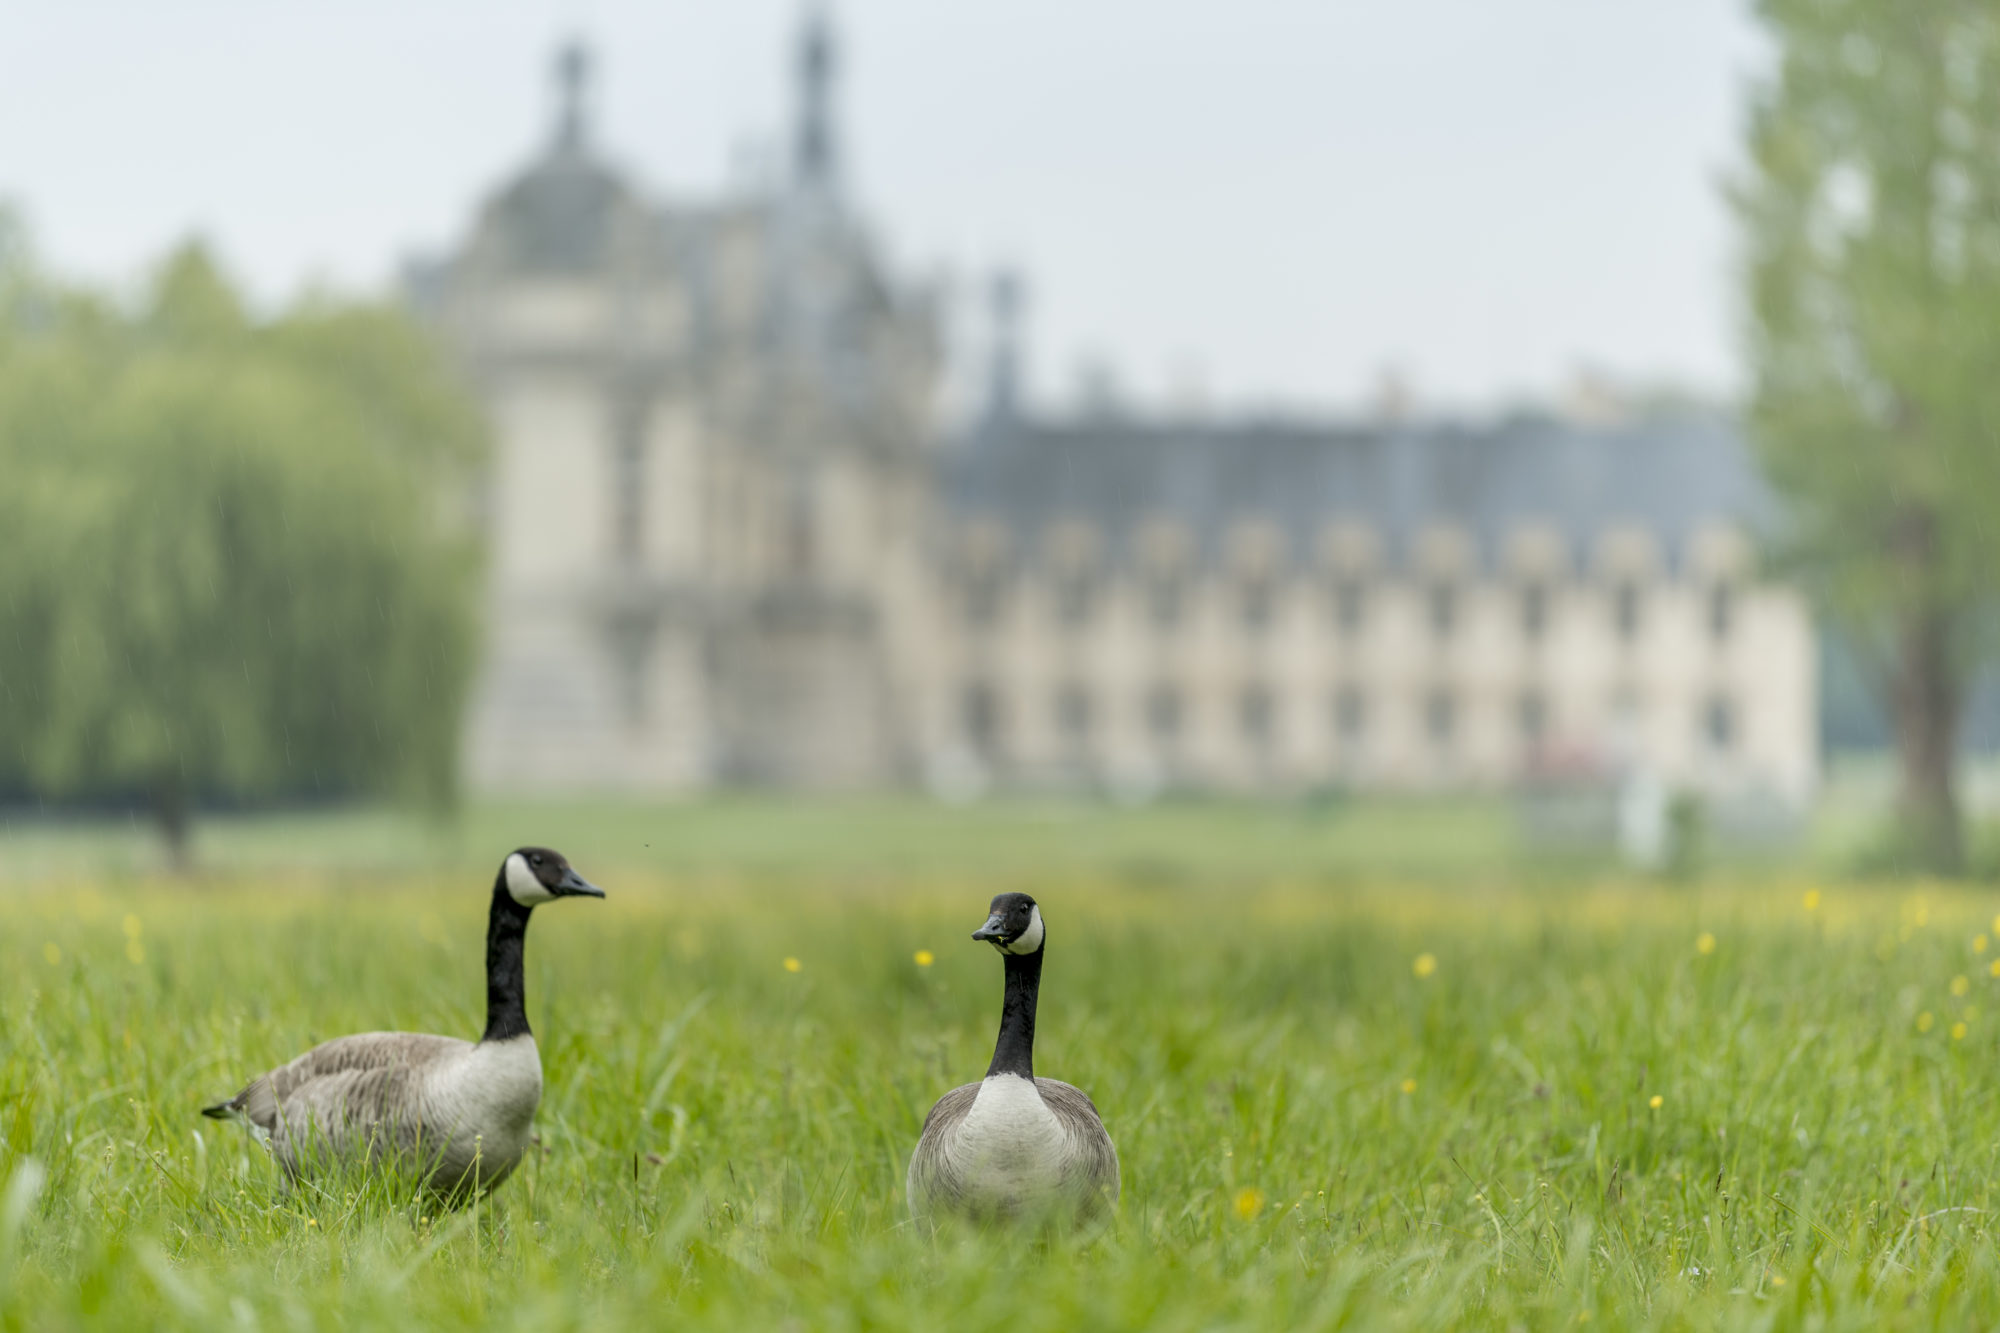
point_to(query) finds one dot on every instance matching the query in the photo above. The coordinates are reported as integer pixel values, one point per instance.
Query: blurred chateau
(733, 541)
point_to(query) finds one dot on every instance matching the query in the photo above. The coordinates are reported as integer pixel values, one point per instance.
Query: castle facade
(732, 542)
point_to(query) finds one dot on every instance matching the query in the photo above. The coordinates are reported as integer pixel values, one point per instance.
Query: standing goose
(455, 1113)
(1014, 1144)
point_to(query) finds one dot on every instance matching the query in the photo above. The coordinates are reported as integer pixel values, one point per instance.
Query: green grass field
(1344, 1095)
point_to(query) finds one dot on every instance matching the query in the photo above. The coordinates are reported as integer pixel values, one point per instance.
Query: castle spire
(815, 159)
(572, 74)
(1003, 375)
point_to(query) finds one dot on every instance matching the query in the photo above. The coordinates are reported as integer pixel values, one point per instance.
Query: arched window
(628, 486)
(1626, 607)
(1076, 597)
(1440, 717)
(1254, 714)
(1350, 715)
(1350, 606)
(982, 594)
(1718, 723)
(1534, 612)
(1163, 714)
(1258, 599)
(631, 652)
(1721, 611)
(980, 715)
(1532, 712)
(1073, 715)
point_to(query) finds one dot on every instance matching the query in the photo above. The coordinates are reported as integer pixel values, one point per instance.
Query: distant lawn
(846, 839)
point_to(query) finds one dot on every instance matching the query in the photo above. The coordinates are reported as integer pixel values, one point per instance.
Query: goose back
(452, 1112)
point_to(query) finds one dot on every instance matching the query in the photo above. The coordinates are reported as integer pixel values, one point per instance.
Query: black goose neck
(506, 985)
(1014, 1052)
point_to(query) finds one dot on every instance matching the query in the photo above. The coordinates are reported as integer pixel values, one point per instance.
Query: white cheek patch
(522, 886)
(1030, 939)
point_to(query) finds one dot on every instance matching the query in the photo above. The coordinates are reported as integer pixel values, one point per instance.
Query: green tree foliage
(1872, 219)
(228, 560)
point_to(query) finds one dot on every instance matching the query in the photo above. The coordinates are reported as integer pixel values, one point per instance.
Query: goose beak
(576, 886)
(994, 930)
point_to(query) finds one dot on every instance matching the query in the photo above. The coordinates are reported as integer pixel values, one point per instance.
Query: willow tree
(227, 563)
(1871, 214)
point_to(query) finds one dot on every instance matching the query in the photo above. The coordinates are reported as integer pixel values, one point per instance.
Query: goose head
(1013, 925)
(535, 875)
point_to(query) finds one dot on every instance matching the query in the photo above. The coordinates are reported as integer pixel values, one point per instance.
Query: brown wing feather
(932, 1178)
(1093, 1165)
(361, 1075)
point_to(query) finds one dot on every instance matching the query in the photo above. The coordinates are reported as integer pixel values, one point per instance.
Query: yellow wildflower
(1425, 964)
(1409, 1085)
(1925, 1020)
(793, 965)
(1812, 900)
(1979, 943)
(1959, 986)
(1249, 1202)
(1657, 1102)
(1958, 1031)
(924, 958)
(132, 927)
(1704, 943)
(135, 951)
(53, 952)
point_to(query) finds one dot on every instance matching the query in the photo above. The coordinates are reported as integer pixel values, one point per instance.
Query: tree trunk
(1927, 700)
(170, 811)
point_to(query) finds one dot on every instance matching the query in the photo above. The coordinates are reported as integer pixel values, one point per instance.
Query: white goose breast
(1009, 1136)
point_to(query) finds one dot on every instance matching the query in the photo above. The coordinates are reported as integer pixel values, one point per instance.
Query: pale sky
(1268, 201)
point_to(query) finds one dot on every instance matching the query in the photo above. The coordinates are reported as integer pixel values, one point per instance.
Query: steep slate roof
(557, 216)
(1669, 476)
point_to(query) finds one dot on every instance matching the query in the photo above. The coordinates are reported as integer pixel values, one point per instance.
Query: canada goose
(455, 1113)
(1014, 1144)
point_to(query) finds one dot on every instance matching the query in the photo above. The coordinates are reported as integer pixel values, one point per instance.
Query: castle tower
(815, 152)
